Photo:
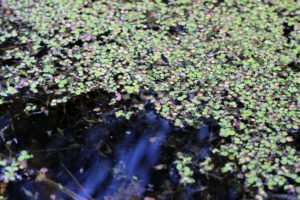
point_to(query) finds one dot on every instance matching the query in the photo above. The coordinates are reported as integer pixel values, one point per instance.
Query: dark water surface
(113, 158)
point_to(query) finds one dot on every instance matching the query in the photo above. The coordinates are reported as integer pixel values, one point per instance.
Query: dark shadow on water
(116, 159)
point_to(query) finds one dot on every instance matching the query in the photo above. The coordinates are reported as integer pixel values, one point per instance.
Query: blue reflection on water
(134, 157)
(116, 158)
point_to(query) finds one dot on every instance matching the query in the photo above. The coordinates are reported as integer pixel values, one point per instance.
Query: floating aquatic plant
(183, 163)
(235, 61)
(12, 167)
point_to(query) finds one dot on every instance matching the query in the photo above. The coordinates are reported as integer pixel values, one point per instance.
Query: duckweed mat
(234, 61)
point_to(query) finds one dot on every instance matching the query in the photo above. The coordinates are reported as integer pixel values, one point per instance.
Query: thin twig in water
(76, 181)
(60, 149)
(215, 177)
(47, 181)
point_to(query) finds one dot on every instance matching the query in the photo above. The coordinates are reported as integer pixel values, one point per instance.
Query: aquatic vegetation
(182, 165)
(234, 61)
(12, 166)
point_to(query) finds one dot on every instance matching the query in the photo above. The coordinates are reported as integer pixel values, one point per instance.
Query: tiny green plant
(183, 165)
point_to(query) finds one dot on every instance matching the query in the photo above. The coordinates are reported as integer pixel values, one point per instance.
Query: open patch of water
(113, 159)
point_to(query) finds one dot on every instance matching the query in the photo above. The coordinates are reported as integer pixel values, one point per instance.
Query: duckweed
(234, 61)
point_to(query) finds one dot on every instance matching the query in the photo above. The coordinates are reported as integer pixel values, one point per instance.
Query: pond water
(112, 158)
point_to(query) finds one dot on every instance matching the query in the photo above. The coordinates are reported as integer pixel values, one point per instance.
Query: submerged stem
(76, 181)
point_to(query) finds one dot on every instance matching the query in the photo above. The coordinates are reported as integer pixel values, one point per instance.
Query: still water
(114, 159)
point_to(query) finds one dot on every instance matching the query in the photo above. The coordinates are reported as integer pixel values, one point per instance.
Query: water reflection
(130, 161)
(119, 159)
